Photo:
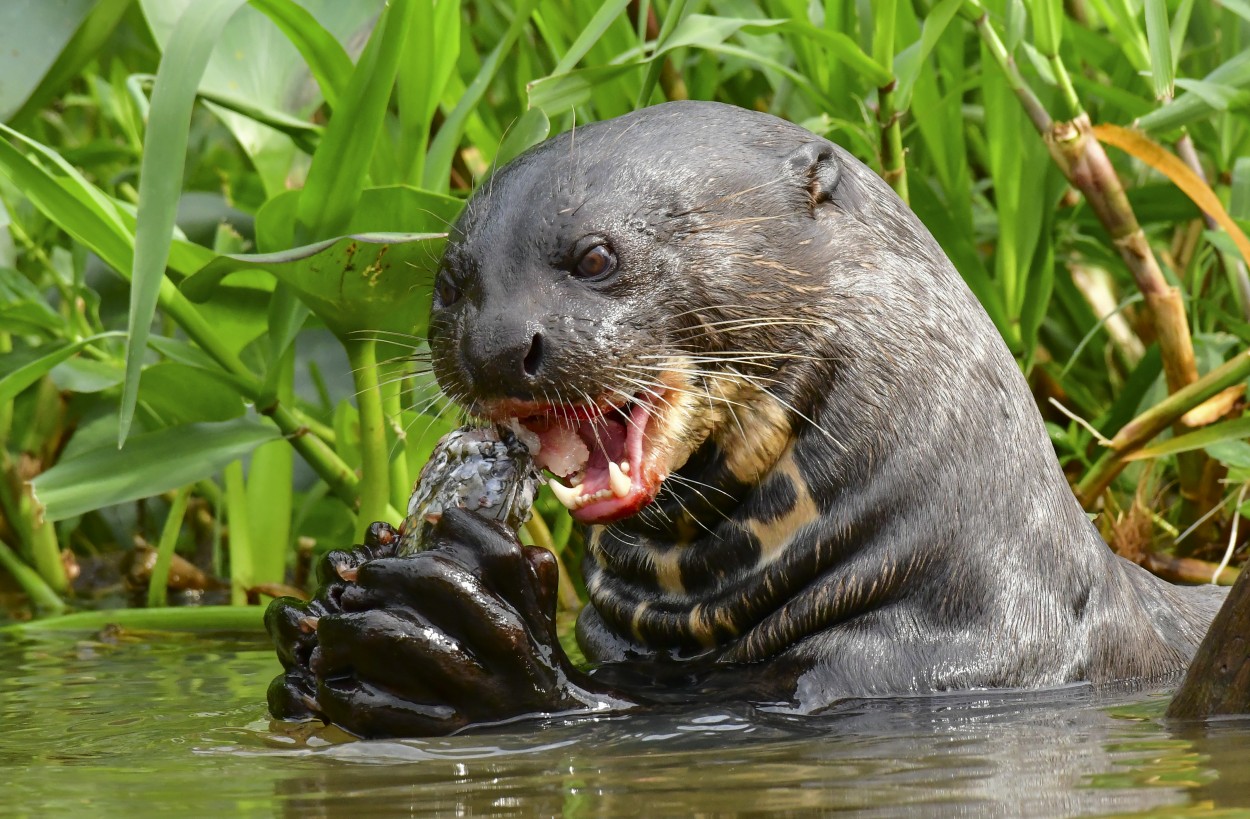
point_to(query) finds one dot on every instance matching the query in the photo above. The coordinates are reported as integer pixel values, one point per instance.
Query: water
(150, 724)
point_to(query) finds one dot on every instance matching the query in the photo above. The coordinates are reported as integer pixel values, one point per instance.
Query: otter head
(617, 291)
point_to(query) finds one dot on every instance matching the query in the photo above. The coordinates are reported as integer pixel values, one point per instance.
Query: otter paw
(463, 633)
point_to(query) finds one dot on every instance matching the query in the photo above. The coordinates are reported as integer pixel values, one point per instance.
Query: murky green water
(177, 723)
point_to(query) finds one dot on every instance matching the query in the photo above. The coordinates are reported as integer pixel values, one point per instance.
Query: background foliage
(222, 260)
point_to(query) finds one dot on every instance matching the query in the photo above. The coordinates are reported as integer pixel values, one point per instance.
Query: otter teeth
(618, 480)
(573, 497)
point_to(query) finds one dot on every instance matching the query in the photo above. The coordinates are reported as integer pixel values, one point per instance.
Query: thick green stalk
(39, 592)
(240, 534)
(375, 474)
(6, 407)
(165, 548)
(187, 618)
(392, 406)
(1142, 429)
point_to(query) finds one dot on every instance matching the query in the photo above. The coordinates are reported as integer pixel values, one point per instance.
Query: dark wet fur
(945, 550)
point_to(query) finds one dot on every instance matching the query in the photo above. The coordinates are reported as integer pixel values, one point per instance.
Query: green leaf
(75, 205)
(532, 128)
(604, 17)
(22, 306)
(388, 209)
(428, 64)
(326, 58)
(184, 394)
(371, 281)
(160, 175)
(339, 168)
(908, 63)
(93, 31)
(1192, 106)
(1159, 36)
(26, 374)
(151, 463)
(1237, 429)
(1047, 17)
(443, 148)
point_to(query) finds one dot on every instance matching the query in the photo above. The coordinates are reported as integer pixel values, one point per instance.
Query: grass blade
(165, 547)
(326, 58)
(339, 168)
(160, 176)
(1159, 36)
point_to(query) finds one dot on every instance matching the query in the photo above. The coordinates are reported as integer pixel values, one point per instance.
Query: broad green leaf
(339, 168)
(151, 463)
(32, 34)
(84, 375)
(22, 377)
(160, 175)
(372, 281)
(325, 57)
(183, 394)
(389, 209)
(1237, 429)
(1159, 37)
(92, 32)
(264, 57)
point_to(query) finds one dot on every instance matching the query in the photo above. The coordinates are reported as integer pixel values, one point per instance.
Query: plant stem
(392, 406)
(39, 592)
(375, 474)
(240, 534)
(893, 156)
(165, 548)
(1032, 106)
(1142, 429)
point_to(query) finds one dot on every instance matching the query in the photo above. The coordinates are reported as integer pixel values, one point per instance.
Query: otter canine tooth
(625, 467)
(618, 480)
(567, 495)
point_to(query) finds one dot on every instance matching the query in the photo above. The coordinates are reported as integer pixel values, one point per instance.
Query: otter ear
(816, 163)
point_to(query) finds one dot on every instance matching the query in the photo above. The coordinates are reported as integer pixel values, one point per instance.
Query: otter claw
(347, 573)
(308, 624)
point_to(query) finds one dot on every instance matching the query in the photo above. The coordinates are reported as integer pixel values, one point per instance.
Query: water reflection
(142, 725)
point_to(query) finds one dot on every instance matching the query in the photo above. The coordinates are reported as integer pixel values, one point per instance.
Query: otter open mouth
(603, 455)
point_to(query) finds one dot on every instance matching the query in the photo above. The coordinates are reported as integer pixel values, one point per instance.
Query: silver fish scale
(486, 471)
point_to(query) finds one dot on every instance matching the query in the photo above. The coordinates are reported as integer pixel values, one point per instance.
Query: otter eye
(445, 291)
(596, 263)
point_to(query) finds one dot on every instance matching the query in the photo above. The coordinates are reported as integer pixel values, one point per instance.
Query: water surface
(147, 724)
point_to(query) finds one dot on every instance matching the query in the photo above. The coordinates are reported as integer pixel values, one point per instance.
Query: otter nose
(504, 360)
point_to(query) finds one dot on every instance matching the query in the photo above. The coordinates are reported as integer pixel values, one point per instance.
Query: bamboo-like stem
(186, 618)
(6, 407)
(1085, 164)
(39, 592)
(159, 580)
(325, 462)
(893, 157)
(375, 474)
(1060, 70)
(25, 516)
(1142, 429)
(1015, 80)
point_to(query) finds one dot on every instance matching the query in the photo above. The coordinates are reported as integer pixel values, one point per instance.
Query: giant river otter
(808, 465)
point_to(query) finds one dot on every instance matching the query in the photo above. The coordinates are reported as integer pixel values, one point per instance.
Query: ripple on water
(152, 725)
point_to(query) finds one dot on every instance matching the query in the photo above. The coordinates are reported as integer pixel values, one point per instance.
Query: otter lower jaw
(610, 458)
